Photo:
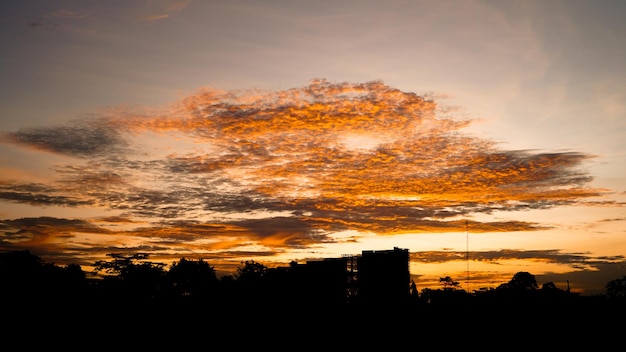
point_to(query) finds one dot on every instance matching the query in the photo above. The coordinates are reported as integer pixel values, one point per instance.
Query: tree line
(132, 280)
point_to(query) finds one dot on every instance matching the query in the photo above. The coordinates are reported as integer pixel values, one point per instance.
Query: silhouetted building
(373, 277)
(383, 277)
(326, 281)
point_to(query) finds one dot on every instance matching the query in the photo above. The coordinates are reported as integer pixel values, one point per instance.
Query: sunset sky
(486, 137)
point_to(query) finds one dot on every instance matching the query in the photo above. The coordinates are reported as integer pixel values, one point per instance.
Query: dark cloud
(83, 139)
(548, 256)
(38, 195)
(47, 222)
(42, 231)
(285, 232)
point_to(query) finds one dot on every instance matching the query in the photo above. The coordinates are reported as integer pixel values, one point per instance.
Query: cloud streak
(82, 139)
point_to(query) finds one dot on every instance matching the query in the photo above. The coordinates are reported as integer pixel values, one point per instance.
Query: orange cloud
(286, 169)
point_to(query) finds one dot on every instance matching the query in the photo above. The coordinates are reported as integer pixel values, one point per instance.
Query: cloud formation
(221, 172)
(84, 18)
(82, 139)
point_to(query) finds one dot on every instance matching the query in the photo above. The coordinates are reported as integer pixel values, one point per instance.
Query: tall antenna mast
(467, 255)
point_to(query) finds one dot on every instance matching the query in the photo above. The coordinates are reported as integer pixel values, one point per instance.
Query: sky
(486, 137)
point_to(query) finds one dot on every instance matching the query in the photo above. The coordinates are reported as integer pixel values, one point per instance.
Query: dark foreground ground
(512, 326)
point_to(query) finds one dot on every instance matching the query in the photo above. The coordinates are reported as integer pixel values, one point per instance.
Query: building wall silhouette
(373, 277)
(383, 276)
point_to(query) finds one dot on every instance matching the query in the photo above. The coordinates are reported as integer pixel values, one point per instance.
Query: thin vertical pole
(467, 255)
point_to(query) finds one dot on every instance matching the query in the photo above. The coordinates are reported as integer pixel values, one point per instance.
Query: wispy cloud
(67, 14)
(69, 20)
(79, 21)
(153, 10)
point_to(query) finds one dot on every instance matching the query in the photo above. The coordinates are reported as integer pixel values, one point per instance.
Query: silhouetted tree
(25, 277)
(192, 279)
(521, 281)
(22, 275)
(250, 273)
(72, 281)
(616, 289)
(414, 293)
(549, 286)
(132, 276)
(519, 293)
(448, 283)
(444, 297)
(249, 283)
(553, 297)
